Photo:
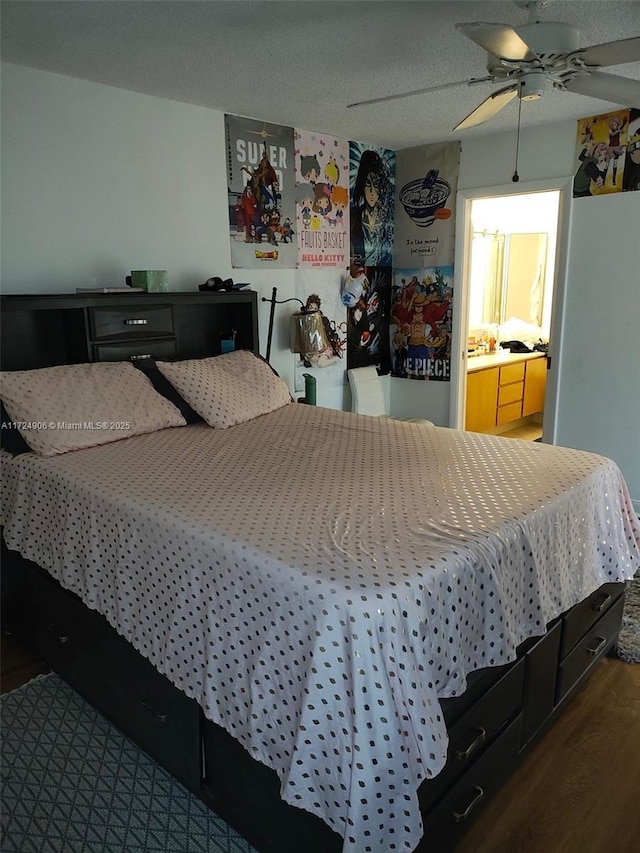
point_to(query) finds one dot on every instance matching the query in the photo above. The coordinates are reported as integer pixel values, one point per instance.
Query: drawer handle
(139, 322)
(463, 754)
(459, 817)
(61, 638)
(598, 608)
(593, 650)
(141, 357)
(162, 718)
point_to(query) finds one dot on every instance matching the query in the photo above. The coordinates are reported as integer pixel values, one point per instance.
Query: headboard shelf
(43, 330)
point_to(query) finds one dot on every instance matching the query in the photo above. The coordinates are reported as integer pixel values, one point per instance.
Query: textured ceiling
(300, 63)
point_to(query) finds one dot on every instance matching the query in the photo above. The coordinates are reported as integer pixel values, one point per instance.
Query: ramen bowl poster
(322, 199)
(426, 187)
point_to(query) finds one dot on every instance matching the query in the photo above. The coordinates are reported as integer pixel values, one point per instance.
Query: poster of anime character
(420, 328)
(427, 183)
(371, 194)
(320, 290)
(322, 199)
(366, 294)
(261, 193)
(631, 174)
(601, 145)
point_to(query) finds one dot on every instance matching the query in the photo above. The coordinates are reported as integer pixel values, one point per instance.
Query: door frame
(459, 331)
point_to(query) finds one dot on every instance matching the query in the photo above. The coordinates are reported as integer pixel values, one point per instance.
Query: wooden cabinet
(501, 393)
(510, 392)
(482, 400)
(535, 384)
(71, 328)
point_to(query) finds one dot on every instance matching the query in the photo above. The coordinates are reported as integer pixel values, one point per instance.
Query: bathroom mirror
(508, 273)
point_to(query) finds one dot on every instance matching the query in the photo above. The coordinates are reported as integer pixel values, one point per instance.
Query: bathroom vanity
(504, 388)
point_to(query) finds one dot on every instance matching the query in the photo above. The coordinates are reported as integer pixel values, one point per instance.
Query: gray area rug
(628, 648)
(72, 783)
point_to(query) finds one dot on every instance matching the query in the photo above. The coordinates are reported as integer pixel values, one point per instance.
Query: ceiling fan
(538, 53)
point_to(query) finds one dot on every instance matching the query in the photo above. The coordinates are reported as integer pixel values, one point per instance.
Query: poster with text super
(420, 330)
(372, 178)
(607, 154)
(426, 182)
(322, 199)
(261, 193)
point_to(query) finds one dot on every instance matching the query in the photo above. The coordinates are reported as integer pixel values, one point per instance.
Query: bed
(358, 625)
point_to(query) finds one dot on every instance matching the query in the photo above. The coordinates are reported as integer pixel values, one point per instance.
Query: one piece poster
(371, 193)
(601, 149)
(261, 193)
(427, 183)
(367, 298)
(420, 328)
(322, 199)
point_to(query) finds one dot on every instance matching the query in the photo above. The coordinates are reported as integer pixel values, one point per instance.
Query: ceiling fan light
(532, 87)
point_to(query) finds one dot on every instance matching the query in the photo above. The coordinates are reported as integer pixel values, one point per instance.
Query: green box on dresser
(153, 281)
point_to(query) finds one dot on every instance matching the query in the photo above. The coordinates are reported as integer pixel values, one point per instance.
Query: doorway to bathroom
(511, 253)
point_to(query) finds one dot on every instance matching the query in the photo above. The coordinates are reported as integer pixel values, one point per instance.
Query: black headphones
(216, 283)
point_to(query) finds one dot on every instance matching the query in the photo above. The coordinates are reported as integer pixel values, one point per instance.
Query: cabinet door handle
(140, 357)
(463, 754)
(162, 718)
(593, 650)
(459, 817)
(61, 638)
(604, 601)
(134, 322)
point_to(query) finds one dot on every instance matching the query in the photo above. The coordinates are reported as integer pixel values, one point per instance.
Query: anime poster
(320, 289)
(367, 297)
(631, 174)
(420, 329)
(371, 192)
(322, 199)
(602, 156)
(261, 193)
(427, 182)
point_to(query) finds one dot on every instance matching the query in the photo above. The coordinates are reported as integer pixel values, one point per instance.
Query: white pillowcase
(57, 409)
(227, 389)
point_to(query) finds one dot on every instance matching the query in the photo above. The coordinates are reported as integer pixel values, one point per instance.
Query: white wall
(97, 181)
(599, 384)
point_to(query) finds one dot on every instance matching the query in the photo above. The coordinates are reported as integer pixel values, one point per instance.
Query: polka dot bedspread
(319, 580)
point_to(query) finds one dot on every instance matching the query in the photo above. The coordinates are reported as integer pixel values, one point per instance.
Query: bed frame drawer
(84, 649)
(581, 617)
(473, 734)
(593, 645)
(445, 825)
(130, 321)
(149, 709)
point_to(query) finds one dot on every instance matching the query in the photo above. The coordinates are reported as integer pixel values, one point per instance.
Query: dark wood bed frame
(491, 726)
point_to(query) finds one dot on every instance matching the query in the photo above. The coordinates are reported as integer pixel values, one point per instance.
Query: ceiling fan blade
(613, 52)
(609, 87)
(488, 108)
(421, 91)
(499, 39)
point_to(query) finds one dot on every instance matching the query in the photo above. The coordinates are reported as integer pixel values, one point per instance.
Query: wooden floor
(578, 791)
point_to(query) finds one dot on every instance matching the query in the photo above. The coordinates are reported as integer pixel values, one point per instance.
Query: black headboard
(47, 330)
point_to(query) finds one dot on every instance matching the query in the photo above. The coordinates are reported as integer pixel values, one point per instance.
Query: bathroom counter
(497, 359)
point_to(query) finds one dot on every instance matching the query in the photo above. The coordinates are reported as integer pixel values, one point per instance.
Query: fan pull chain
(516, 176)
